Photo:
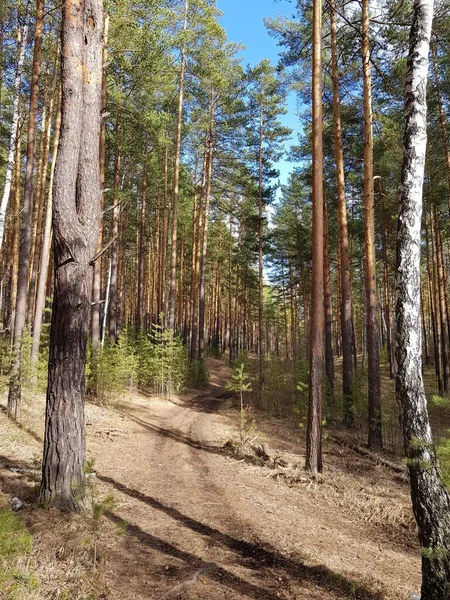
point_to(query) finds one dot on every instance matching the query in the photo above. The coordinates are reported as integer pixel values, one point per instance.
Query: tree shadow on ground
(177, 436)
(255, 556)
(23, 427)
(23, 484)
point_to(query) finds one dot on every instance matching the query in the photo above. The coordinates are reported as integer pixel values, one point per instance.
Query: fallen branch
(373, 456)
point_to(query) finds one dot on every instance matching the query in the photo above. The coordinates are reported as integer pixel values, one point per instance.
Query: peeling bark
(430, 499)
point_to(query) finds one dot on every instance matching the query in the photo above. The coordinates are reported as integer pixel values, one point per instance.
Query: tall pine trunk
(76, 217)
(314, 427)
(176, 178)
(345, 279)
(373, 351)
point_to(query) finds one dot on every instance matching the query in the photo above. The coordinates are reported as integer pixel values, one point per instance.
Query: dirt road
(203, 525)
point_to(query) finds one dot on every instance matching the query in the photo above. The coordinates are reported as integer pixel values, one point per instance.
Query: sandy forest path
(201, 524)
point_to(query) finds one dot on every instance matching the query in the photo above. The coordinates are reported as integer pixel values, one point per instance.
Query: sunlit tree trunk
(176, 178)
(76, 218)
(430, 499)
(22, 41)
(14, 395)
(373, 351)
(113, 293)
(42, 280)
(314, 428)
(345, 275)
(97, 278)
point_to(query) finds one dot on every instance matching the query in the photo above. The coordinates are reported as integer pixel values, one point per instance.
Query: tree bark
(40, 296)
(113, 302)
(140, 263)
(76, 217)
(345, 275)
(176, 177)
(373, 351)
(14, 395)
(430, 499)
(204, 241)
(314, 427)
(97, 278)
(22, 40)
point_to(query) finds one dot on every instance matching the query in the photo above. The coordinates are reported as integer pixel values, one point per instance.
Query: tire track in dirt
(190, 509)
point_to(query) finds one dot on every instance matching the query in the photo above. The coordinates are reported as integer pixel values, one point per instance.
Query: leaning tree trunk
(314, 429)
(76, 217)
(430, 499)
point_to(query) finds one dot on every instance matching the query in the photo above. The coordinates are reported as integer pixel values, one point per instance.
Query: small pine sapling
(240, 384)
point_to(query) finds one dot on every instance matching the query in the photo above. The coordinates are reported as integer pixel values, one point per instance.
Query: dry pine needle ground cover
(173, 512)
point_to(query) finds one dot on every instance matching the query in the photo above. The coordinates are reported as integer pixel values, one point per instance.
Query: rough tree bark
(345, 279)
(314, 428)
(373, 351)
(430, 499)
(76, 217)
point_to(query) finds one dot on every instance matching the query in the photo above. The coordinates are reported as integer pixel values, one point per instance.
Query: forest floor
(182, 517)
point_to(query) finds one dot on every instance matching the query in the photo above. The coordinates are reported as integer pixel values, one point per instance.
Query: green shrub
(443, 455)
(117, 367)
(162, 361)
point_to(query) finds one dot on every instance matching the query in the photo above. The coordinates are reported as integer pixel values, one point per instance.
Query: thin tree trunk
(22, 41)
(40, 297)
(345, 275)
(314, 427)
(441, 290)
(329, 358)
(16, 235)
(430, 499)
(373, 351)
(97, 278)
(261, 349)
(176, 177)
(14, 395)
(113, 302)
(76, 219)
(35, 257)
(140, 264)
(197, 256)
(201, 303)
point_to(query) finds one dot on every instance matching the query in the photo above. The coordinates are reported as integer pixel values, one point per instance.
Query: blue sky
(243, 22)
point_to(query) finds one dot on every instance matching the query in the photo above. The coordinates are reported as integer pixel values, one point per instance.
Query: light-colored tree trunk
(40, 296)
(97, 278)
(22, 41)
(113, 308)
(14, 395)
(430, 499)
